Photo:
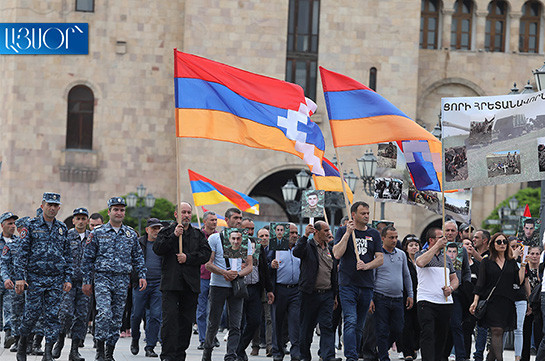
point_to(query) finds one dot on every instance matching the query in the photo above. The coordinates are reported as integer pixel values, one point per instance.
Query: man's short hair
(355, 206)
(230, 211)
(385, 230)
(189, 204)
(486, 234)
(247, 219)
(431, 233)
(451, 221)
(312, 193)
(97, 216)
(208, 213)
(529, 221)
(318, 225)
(452, 245)
(344, 219)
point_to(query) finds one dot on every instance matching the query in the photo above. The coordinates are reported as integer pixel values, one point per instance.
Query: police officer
(111, 252)
(43, 263)
(75, 304)
(7, 220)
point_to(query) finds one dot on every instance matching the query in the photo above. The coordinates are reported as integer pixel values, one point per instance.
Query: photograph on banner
(528, 231)
(388, 189)
(256, 249)
(280, 236)
(493, 140)
(312, 203)
(387, 155)
(427, 199)
(379, 224)
(235, 243)
(456, 254)
(391, 176)
(458, 205)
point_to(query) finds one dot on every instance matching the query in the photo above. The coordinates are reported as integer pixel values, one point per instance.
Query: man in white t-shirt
(434, 300)
(221, 290)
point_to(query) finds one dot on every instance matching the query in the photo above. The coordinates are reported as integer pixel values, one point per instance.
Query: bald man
(317, 285)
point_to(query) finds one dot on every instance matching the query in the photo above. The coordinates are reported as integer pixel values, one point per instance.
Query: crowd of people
(362, 290)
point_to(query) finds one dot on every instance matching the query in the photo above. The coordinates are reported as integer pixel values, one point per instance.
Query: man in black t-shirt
(356, 278)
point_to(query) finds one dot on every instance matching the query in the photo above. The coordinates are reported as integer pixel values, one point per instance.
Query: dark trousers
(455, 334)
(178, 308)
(252, 311)
(287, 303)
(468, 327)
(317, 308)
(389, 322)
(535, 324)
(411, 332)
(434, 323)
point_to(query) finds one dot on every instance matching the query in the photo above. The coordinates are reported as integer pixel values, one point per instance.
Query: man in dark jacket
(180, 281)
(318, 288)
(150, 296)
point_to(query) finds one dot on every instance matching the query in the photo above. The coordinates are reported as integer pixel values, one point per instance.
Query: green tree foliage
(530, 196)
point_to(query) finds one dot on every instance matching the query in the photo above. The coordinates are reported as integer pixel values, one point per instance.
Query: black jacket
(197, 250)
(306, 250)
(263, 268)
(142, 242)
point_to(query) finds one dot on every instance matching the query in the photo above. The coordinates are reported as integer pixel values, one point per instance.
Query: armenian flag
(220, 102)
(331, 181)
(358, 116)
(206, 191)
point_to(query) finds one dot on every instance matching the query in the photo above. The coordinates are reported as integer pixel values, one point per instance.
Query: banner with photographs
(528, 231)
(312, 203)
(235, 243)
(493, 140)
(458, 205)
(280, 236)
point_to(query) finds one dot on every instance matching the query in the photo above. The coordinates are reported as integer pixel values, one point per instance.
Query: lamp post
(367, 167)
(140, 205)
(290, 191)
(508, 220)
(539, 75)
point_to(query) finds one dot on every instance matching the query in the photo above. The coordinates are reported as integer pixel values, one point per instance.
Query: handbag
(240, 289)
(480, 310)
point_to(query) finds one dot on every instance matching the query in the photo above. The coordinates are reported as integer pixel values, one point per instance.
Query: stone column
(480, 17)
(512, 33)
(445, 28)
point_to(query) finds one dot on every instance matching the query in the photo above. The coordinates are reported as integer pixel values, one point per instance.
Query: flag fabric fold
(331, 180)
(206, 191)
(221, 219)
(220, 102)
(359, 116)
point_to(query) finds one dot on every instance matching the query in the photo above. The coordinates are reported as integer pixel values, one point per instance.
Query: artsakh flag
(358, 116)
(217, 101)
(331, 181)
(206, 191)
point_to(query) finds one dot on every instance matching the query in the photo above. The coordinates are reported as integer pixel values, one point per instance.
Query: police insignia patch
(24, 232)
(5, 250)
(128, 234)
(60, 231)
(89, 238)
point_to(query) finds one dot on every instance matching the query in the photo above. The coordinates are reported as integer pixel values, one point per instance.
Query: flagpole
(346, 202)
(325, 217)
(198, 216)
(178, 188)
(374, 207)
(445, 249)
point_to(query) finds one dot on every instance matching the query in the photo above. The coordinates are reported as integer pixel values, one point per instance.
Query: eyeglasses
(415, 239)
(501, 241)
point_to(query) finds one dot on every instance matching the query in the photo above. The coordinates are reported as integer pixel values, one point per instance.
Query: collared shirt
(206, 274)
(431, 279)
(393, 275)
(216, 246)
(253, 277)
(325, 265)
(288, 267)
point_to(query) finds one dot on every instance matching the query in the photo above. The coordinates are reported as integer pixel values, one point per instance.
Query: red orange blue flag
(331, 180)
(206, 191)
(220, 102)
(358, 115)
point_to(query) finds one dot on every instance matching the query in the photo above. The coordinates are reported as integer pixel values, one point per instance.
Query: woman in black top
(501, 271)
(533, 280)
(411, 329)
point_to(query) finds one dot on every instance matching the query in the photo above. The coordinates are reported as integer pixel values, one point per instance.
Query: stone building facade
(129, 70)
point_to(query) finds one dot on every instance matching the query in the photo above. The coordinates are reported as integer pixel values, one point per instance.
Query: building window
(373, 78)
(302, 55)
(429, 24)
(496, 21)
(460, 31)
(85, 5)
(79, 128)
(529, 27)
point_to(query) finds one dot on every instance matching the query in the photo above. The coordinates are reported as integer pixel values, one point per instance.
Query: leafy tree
(530, 196)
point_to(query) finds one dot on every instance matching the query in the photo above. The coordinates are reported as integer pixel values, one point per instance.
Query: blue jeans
(480, 343)
(140, 299)
(456, 328)
(355, 303)
(202, 309)
(389, 322)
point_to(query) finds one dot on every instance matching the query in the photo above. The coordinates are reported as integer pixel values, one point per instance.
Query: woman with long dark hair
(497, 275)
(411, 329)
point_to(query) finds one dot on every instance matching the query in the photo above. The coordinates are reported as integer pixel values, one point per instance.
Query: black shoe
(47, 352)
(201, 346)
(216, 342)
(150, 352)
(206, 354)
(37, 346)
(15, 345)
(100, 351)
(286, 351)
(9, 339)
(74, 352)
(21, 350)
(336, 359)
(57, 349)
(81, 344)
(134, 346)
(110, 352)
(29, 344)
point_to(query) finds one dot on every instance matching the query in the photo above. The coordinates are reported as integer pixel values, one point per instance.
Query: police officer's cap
(21, 222)
(6, 216)
(80, 210)
(116, 201)
(50, 197)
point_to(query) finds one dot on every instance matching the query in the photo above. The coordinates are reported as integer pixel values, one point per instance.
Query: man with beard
(180, 280)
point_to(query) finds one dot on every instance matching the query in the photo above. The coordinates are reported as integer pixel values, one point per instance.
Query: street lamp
(436, 132)
(514, 90)
(366, 166)
(351, 179)
(289, 192)
(139, 205)
(539, 75)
